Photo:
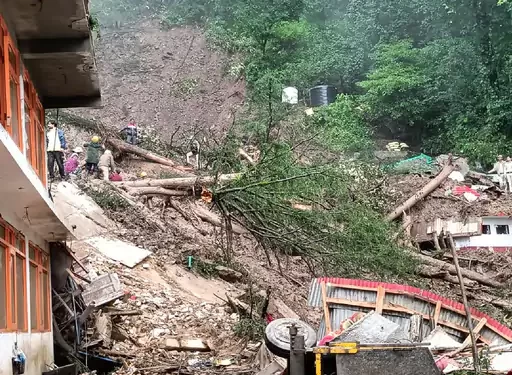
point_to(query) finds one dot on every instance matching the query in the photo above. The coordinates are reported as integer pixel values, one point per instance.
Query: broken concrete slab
(374, 328)
(438, 339)
(186, 344)
(417, 361)
(229, 274)
(120, 251)
(79, 212)
(194, 345)
(104, 329)
(103, 290)
(172, 344)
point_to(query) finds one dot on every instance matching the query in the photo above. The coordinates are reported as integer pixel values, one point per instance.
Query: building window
(10, 105)
(486, 229)
(13, 276)
(502, 229)
(40, 140)
(12, 79)
(28, 99)
(40, 315)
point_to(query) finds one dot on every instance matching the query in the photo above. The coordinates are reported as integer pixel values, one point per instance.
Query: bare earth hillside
(166, 78)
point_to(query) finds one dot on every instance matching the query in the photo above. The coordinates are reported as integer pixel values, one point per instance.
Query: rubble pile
(157, 325)
(463, 194)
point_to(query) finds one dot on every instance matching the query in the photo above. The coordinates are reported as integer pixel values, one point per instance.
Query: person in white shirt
(55, 147)
(508, 173)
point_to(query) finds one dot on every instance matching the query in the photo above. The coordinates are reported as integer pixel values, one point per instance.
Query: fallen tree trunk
(213, 219)
(493, 300)
(126, 147)
(246, 156)
(472, 275)
(158, 191)
(442, 274)
(423, 192)
(181, 182)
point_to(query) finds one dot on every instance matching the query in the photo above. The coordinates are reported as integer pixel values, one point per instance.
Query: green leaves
(329, 215)
(341, 127)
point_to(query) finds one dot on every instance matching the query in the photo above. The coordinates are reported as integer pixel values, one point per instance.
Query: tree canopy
(435, 74)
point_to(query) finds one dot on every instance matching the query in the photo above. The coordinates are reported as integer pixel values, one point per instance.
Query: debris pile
(145, 326)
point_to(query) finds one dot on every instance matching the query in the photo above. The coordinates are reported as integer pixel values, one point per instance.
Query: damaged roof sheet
(408, 297)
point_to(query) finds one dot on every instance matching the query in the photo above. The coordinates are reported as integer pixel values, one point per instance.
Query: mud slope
(166, 78)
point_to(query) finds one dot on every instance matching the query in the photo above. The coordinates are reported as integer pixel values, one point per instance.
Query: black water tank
(322, 95)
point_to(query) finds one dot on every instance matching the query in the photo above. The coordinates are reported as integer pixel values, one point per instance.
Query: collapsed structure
(46, 61)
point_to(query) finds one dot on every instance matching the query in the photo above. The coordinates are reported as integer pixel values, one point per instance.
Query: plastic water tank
(290, 95)
(322, 95)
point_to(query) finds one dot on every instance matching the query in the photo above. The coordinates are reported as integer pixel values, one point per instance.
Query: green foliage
(249, 329)
(341, 126)
(393, 87)
(105, 197)
(343, 232)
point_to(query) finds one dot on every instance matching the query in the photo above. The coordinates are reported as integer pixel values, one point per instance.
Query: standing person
(55, 147)
(93, 155)
(508, 173)
(195, 150)
(130, 132)
(106, 164)
(499, 168)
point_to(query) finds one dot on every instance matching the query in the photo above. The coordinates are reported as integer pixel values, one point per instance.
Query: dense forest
(436, 74)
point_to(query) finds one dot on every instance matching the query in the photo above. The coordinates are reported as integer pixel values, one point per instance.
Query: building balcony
(55, 43)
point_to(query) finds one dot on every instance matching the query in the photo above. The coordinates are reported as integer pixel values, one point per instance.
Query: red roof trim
(425, 294)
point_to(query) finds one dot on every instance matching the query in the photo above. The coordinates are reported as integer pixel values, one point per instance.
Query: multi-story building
(46, 61)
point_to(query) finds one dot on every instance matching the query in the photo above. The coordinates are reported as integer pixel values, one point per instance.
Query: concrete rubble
(138, 322)
(374, 328)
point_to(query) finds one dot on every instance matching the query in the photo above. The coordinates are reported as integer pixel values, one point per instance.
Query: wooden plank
(437, 312)
(470, 338)
(76, 275)
(476, 331)
(327, 315)
(72, 255)
(381, 292)
(64, 303)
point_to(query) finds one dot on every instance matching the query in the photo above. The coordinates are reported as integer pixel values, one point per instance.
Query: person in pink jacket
(72, 163)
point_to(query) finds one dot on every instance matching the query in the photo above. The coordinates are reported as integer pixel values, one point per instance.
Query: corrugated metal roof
(421, 301)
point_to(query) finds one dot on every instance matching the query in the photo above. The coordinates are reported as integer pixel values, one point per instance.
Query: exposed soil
(168, 79)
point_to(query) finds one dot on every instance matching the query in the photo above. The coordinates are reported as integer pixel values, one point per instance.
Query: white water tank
(290, 95)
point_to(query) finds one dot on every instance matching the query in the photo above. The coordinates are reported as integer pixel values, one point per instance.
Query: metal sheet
(104, 289)
(412, 298)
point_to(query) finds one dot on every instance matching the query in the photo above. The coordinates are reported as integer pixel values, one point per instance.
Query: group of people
(97, 161)
(503, 168)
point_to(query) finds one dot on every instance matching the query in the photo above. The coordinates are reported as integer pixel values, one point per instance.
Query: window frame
(488, 226)
(12, 73)
(40, 147)
(505, 226)
(12, 252)
(3, 74)
(41, 269)
(28, 101)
